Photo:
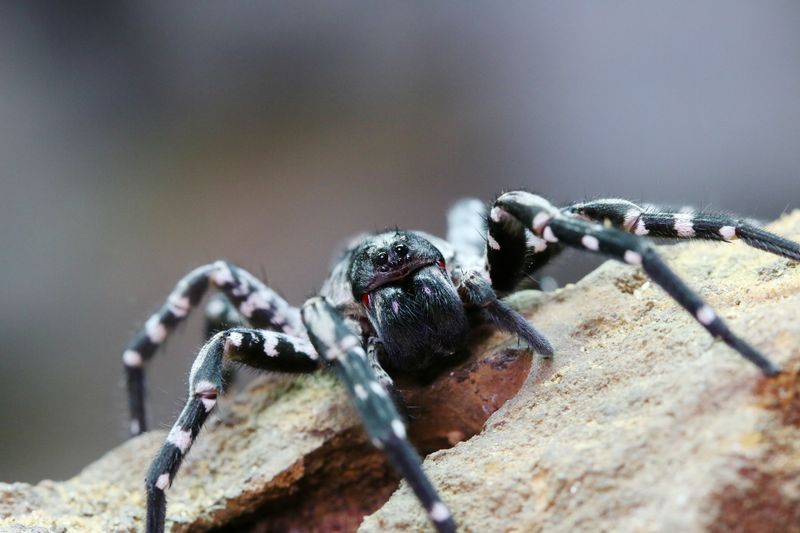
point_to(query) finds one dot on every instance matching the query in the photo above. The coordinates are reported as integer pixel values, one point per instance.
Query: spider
(402, 302)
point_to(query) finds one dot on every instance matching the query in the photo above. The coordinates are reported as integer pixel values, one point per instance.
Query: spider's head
(401, 280)
(388, 258)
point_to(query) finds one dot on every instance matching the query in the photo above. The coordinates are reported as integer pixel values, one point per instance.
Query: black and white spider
(403, 302)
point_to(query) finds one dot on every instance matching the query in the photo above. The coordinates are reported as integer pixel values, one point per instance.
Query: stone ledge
(640, 422)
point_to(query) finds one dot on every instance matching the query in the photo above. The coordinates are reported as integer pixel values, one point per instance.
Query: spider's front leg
(264, 350)
(552, 226)
(666, 223)
(336, 343)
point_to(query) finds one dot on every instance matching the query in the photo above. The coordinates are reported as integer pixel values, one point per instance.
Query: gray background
(138, 141)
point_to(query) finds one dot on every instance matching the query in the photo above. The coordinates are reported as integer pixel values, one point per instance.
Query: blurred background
(139, 140)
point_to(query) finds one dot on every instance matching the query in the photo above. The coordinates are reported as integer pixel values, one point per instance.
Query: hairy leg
(338, 344)
(477, 293)
(266, 350)
(513, 251)
(682, 224)
(549, 223)
(466, 221)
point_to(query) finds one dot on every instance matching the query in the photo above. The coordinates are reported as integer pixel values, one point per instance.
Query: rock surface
(640, 422)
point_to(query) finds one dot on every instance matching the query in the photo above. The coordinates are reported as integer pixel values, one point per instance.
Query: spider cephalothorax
(409, 299)
(403, 301)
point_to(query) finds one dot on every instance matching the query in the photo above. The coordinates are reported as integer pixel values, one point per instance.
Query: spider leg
(465, 224)
(682, 224)
(476, 292)
(513, 250)
(543, 220)
(266, 350)
(257, 303)
(337, 343)
(374, 350)
(221, 315)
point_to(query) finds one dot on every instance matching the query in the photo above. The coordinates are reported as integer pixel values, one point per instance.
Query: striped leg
(261, 349)
(682, 224)
(337, 343)
(221, 315)
(513, 251)
(256, 302)
(465, 224)
(622, 246)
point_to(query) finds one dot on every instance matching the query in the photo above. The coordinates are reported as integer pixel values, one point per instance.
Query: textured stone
(258, 452)
(640, 422)
(287, 452)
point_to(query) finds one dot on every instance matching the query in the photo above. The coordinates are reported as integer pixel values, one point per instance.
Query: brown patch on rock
(782, 395)
(342, 482)
(455, 406)
(593, 327)
(765, 496)
(628, 284)
(760, 507)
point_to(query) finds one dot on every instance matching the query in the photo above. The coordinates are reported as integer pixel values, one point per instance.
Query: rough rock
(640, 422)
(286, 454)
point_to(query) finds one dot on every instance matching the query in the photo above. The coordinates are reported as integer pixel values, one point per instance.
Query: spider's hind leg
(668, 223)
(338, 344)
(265, 350)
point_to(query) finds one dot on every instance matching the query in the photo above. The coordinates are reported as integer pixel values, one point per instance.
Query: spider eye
(441, 264)
(381, 258)
(365, 300)
(401, 250)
